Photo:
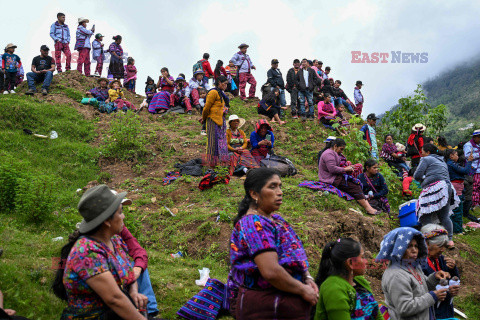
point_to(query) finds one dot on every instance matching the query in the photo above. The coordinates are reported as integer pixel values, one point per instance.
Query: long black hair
(57, 285)
(217, 68)
(448, 153)
(255, 181)
(334, 255)
(442, 141)
(337, 142)
(368, 164)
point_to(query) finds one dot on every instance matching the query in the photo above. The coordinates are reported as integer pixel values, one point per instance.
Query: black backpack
(283, 165)
(412, 149)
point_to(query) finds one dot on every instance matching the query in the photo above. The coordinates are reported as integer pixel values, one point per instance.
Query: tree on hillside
(412, 110)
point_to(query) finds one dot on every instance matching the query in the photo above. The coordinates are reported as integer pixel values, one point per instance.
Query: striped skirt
(436, 196)
(476, 190)
(160, 101)
(217, 150)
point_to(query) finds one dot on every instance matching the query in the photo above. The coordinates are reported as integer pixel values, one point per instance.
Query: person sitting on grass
(270, 106)
(392, 156)
(262, 140)
(198, 81)
(240, 157)
(150, 89)
(330, 171)
(43, 67)
(101, 92)
(344, 292)
(116, 95)
(97, 279)
(328, 115)
(374, 187)
(165, 81)
(179, 96)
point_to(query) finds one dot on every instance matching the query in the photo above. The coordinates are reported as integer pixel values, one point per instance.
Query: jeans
(294, 101)
(443, 215)
(145, 287)
(404, 166)
(345, 103)
(301, 96)
(33, 77)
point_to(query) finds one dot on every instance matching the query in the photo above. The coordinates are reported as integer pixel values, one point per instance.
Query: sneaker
(295, 117)
(5, 92)
(12, 92)
(96, 74)
(203, 132)
(198, 107)
(44, 92)
(30, 92)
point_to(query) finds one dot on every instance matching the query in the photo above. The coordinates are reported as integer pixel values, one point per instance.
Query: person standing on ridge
(245, 66)
(60, 33)
(82, 45)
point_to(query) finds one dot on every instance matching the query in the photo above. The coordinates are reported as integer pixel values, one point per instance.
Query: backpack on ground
(283, 165)
(198, 66)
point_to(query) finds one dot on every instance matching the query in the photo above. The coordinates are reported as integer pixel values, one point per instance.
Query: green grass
(71, 161)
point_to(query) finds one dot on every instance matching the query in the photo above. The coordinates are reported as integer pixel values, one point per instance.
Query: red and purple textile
(320, 186)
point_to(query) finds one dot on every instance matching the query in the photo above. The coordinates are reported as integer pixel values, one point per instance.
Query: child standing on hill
(98, 54)
(370, 134)
(130, 75)
(10, 64)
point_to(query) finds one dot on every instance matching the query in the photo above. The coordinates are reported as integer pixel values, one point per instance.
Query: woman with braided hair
(268, 261)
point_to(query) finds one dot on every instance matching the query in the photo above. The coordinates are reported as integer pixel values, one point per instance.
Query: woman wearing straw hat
(415, 144)
(82, 45)
(96, 275)
(237, 142)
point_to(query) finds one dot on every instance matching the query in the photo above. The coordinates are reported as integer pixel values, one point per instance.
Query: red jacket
(135, 250)
(207, 68)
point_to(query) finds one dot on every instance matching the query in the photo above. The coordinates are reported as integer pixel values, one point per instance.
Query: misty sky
(175, 34)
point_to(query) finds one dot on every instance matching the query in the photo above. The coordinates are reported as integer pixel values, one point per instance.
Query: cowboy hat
(80, 20)
(476, 133)
(330, 138)
(199, 71)
(97, 205)
(180, 79)
(10, 45)
(419, 127)
(243, 45)
(235, 117)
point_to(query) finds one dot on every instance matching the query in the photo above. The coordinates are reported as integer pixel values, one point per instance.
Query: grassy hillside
(132, 153)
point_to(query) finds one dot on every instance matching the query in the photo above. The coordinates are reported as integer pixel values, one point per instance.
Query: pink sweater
(325, 109)
(135, 250)
(328, 166)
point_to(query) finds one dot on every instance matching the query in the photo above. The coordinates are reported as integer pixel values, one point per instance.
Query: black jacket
(327, 88)
(275, 78)
(338, 93)
(290, 79)
(300, 81)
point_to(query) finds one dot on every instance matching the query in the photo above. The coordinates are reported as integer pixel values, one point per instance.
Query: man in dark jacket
(340, 97)
(305, 81)
(292, 87)
(275, 79)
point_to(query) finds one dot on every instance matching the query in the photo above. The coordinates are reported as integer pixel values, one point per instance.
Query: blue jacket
(255, 138)
(59, 32)
(445, 309)
(456, 171)
(378, 181)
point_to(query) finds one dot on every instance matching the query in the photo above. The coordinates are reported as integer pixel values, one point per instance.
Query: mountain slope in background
(459, 90)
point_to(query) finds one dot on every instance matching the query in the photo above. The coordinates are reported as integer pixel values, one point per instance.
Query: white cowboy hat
(476, 133)
(330, 138)
(235, 117)
(80, 20)
(419, 127)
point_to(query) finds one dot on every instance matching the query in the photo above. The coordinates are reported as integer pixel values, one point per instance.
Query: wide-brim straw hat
(235, 117)
(419, 127)
(80, 20)
(97, 205)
